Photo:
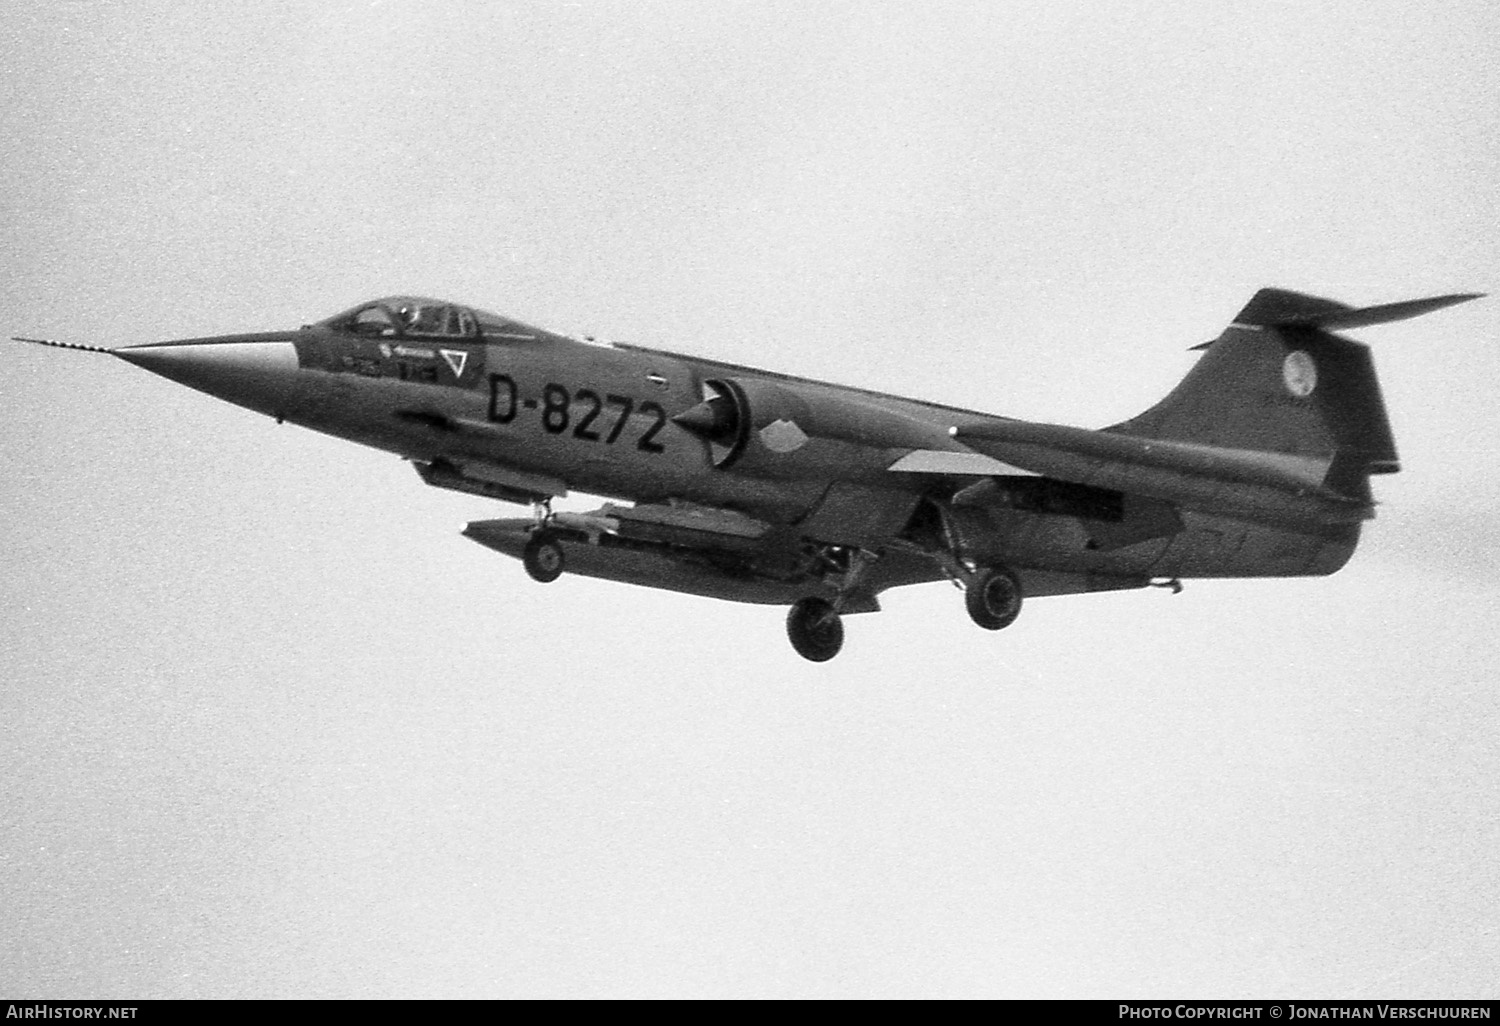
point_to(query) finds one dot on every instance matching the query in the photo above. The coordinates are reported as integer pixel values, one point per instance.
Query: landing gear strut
(993, 596)
(815, 629)
(543, 557)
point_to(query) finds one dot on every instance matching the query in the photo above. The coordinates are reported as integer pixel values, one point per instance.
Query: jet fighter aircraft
(748, 485)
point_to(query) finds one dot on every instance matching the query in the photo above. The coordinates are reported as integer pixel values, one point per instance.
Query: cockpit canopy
(416, 317)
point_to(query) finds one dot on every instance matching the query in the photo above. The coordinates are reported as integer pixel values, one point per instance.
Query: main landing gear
(993, 597)
(815, 628)
(992, 594)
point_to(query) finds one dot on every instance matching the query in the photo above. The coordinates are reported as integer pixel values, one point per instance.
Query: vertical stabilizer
(1277, 380)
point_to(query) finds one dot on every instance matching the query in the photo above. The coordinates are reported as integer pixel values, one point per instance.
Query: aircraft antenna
(62, 345)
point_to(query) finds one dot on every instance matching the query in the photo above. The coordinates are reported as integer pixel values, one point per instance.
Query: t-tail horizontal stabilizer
(1277, 381)
(1280, 308)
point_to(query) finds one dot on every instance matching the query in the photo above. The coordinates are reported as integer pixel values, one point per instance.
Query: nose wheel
(816, 630)
(543, 557)
(993, 597)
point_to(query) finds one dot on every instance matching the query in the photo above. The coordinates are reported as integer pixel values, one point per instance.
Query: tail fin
(1277, 381)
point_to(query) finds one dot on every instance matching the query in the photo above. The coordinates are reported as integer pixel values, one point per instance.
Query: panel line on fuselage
(797, 379)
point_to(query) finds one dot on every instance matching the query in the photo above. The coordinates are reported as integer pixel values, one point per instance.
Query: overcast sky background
(270, 727)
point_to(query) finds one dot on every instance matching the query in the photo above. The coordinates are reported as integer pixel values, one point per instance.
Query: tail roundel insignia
(1281, 345)
(1300, 372)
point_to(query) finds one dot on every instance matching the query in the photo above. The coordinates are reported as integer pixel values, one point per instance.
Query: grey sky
(270, 727)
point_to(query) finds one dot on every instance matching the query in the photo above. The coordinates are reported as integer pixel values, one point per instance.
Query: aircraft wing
(703, 550)
(953, 463)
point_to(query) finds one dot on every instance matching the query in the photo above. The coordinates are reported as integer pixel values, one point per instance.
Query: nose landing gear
(543, 557)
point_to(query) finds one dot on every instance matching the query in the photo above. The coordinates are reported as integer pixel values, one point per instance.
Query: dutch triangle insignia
(458, 359)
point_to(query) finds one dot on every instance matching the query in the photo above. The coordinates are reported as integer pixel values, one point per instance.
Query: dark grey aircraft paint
(753, 486)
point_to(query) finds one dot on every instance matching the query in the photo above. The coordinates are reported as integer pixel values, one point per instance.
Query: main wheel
(994, 598)
(815, 629)
(543, 557)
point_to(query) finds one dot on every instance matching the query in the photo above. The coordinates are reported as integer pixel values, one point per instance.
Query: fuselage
(539, 414)
(748, 485)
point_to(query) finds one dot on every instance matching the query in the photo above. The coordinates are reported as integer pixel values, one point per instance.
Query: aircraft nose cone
(257, 373)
